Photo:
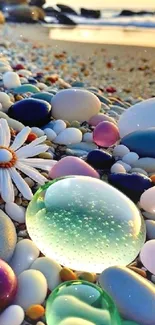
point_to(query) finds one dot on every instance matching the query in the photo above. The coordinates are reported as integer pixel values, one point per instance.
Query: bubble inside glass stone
(80, 300)
(85, 224)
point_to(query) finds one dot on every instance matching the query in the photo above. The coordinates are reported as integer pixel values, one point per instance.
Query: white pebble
(15, 212)
(40, 323)
(130, 158)
(150, 229)
(59, 126)
(118, 168)
(139, 170)
(88, 137)
(147, 200)
(126, 166)
(24, 73)
(23, 80)
(69, 136)
(147, 256)
(76, 321)
(42, 86)
(32, 289)
(51, 270)
(148, 215)
(39, 132)
(11, 80)
(24, 255)
(12, 315)
(120, 151)
(51, 135)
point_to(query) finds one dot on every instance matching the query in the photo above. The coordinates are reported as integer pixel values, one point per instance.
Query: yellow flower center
(8, 157)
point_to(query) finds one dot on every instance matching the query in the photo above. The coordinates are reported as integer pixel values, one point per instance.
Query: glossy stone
(147, 200)
(85, 224)
(31, 112)
(105, 134)
(8, 285)
(133, 185)
(100, 117)
(80, 300)
(28, 88)
(147, 255)
(44, 96)
(8, 237)
(142, 142)
(100, 159)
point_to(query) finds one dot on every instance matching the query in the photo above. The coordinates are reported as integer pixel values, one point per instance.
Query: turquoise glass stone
(28, 88)
(44, 96)
(76, 302)
(85, 224)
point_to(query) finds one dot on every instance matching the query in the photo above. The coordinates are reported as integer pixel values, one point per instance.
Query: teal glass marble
(85, 224)
(79, 302)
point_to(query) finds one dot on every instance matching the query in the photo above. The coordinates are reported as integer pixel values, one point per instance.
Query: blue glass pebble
(100, 159)
(32, 81)
(132, 185)
(26, 88)
(31, 112)
(44, 96)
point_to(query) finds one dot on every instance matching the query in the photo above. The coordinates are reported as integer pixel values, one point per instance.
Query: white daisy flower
(14, 156)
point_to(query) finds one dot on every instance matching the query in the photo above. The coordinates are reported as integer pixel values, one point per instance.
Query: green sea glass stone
(79, 302)
(85, 224)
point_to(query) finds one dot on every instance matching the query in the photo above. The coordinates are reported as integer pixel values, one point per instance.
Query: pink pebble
(96, 119)
(72, 166)
(106, 134)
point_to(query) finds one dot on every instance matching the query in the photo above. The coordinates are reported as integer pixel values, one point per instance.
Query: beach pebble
(35, 312)
(100, 117)
(24, 255)
(105, 134)
(28, 88)
(100, 159)
(126, 166)
(147, 255)
(148, 164)
(43, 95)
(15, 212)
(139, 171)
(59, 126)
(72, 166)
(117, 169)
(51, 270)
(39, 132)
(69, 136)
(51, 135)
(5, 101)
(136, 293)
(130, 158)
(11, 80)
(148, 215)
(86, 146)
(12, 315)
(24, 73)
(150, 229)
(75, 104)
(76, 321)
(120, 151)
(88, 137)
(67, 274)
(147, 200)
(32, 289)
(8, 285)
(8, 237)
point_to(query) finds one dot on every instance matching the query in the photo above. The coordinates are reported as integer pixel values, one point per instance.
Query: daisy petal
(37, 141)
(39, 163)
(20, 138)
(7, 190)
(31, 172)
(6, 133)
(21, 184)
(26, 151)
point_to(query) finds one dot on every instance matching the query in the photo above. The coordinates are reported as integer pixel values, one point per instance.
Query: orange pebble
(31, 137)
(67, 274)
(153, 178)
(139, 271)
(35, 312)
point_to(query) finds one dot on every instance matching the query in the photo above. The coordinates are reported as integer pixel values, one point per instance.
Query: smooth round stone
(103, 99)
(100, 159)
(75, 104)
(88, 137)
(8, 237)
(5, 156)
(8, 285)
(31, 112)
(149, 215)
(138, 117)
(100, 117)
(5, 101)
(130, 158)
(51, 135)
(24, 255)
(37, 131)
(80, 300)
(11, 80)
(117, 169)
(83, 146)
(28, 88)
(147, 256)
(105, 134)
(120, 151)
(147, 201)
(13, 315)
(84, 231)
(135, 301)
(139, 171)
(69, 136)
(44, 96)
(126, 166)
(72, 166)
(15, 212)
(119, 110)
(132, 185)
(142, 142)
(59, 126)
(148, 164)
(51, 270)
(32, 289)
(150, 229)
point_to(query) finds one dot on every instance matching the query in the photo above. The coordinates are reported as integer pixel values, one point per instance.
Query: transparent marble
(85, 224)
(80, 300)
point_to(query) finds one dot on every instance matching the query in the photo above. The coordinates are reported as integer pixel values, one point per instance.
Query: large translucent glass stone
(85, 224)
(79, 302)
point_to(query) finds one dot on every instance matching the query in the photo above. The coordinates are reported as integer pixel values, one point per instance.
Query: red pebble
(109, 65)
(31, 137)
(111, 90)
(19, 66)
